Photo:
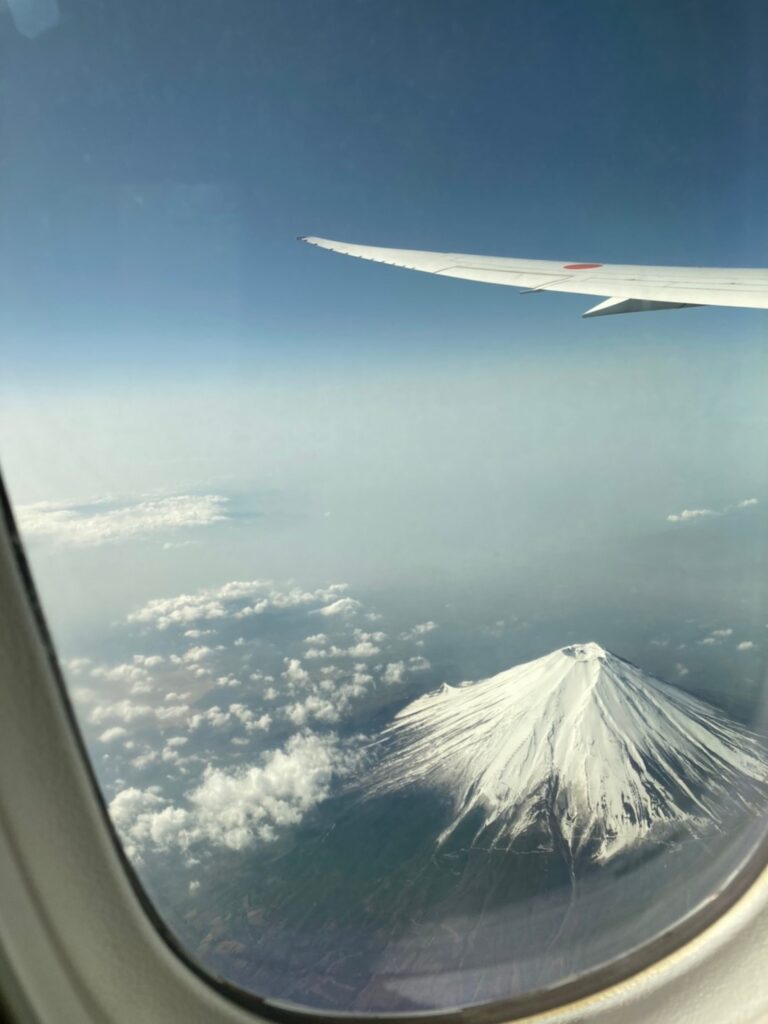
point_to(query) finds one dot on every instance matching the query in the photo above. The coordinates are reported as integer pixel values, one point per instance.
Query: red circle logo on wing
(582, 266)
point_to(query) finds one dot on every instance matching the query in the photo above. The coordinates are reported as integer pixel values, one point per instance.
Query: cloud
(239, 599)
(121, 711)
(365, 645)
(133, 812)
(716, 637)
(235, 714)
(363, 649)
(239, 808)
(98, 522)
(232, 808)
(699, 513)
(77, 665)
(690, 513)
(117, 732)
(133, 672)
(419, 630)
(394, 673)
(196, 654)
(745, 645)
(151, 703)
(315, 653)
(294, 674)
(345, 606)
(419, 664)
(85, 695)
(251, 721)
(330, 698)
(319, 708)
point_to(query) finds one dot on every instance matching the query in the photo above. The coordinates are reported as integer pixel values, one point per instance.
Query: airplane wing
(624, 289)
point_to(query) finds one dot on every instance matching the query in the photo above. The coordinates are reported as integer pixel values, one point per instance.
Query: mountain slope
(579, 743)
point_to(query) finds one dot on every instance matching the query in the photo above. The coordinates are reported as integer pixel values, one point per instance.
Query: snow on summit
(580, 744)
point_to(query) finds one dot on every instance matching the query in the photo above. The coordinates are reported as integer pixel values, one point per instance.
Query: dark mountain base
(361, 910)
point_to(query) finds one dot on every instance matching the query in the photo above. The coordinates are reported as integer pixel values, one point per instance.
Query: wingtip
(301, 238)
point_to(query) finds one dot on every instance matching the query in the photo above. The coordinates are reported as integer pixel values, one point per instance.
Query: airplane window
(416, 628)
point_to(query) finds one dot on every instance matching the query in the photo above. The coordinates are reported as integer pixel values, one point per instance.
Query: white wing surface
(625, 289)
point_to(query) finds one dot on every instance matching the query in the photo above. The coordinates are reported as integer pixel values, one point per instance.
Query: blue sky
(160, 160)
(165, 333)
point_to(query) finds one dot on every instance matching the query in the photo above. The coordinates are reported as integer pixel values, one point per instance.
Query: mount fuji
(580, 745)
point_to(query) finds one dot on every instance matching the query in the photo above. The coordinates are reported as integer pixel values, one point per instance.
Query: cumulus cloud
(419, 664)
(394, 673)
(77, 665)
(716, 636)
(344, 606)
(251, 721)
(236, 809)
(363, 649)
(235, 714)
(196, 654)
(364, 645)
(239, 599)
(127, 672)
(699, 513)
(328, 699)
(136, 673)
(121, 711)
(100, 522)
(320, 708)
(418, 631)
(332, 651)
(294, 674)
(153, 715)
(117, 732)
(745, 645)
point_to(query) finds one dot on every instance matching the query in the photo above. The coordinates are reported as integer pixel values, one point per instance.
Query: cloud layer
(236, 808)
(100, 522)
(231, 726)
(240, 599)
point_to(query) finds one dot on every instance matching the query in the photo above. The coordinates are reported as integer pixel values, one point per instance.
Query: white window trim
(77, 945)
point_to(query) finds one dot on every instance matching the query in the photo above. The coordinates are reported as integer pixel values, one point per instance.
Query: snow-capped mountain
(580, 744)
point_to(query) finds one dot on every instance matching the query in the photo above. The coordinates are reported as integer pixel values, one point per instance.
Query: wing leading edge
(624, 289)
